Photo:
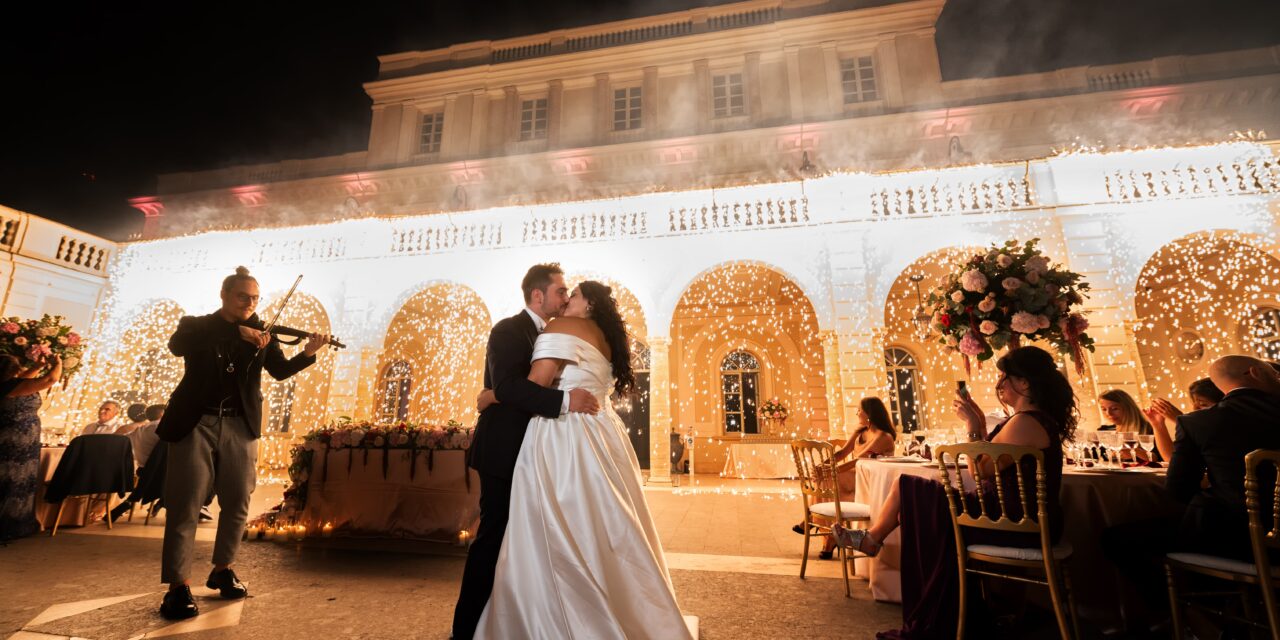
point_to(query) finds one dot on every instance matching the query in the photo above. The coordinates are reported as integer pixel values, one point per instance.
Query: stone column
(511, 117)
(835, 389)
(649, 103)
(449, 148)
(604, 108)
(479, 123)
(702, 89)
(751, 86)
(835, 91)
(660, 410)
(555, 98)
(793, 82)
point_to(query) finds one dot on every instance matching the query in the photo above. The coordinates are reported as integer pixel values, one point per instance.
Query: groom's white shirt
(542, 326)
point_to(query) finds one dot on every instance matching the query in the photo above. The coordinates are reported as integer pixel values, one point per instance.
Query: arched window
(155, 376)
(739, 386)
(393, 392)
(1263, 333)
(904, 388)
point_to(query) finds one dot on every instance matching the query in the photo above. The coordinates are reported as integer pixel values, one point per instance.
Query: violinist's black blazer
(208, 344)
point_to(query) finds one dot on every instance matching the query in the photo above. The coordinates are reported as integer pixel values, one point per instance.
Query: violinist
(212, 426)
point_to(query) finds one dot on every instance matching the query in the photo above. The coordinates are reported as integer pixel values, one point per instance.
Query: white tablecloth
(748, 460)
(1091, 502)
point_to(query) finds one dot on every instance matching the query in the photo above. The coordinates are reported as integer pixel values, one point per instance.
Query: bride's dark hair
(604, 311)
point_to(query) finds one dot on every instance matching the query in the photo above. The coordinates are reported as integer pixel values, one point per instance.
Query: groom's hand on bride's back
(581, 401)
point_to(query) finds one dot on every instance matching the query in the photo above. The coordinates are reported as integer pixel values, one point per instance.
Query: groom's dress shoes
(227, 584)
(179, 605)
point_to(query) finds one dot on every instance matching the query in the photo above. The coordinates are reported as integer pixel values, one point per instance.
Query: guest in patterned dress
(20, 443)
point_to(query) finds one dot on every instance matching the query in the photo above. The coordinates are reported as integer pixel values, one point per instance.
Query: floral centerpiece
(773, 409)
(362, 435)
(1008, 293)
(33, 341)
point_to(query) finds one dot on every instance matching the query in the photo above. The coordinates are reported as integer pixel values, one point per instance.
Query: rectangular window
(726, 95)
(431, 133)
(533, 119)
(858, 80)
(626, 109)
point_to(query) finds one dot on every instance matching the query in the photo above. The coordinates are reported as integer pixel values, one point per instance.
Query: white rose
(1011, 284)
(988, 327)
(71, 363)
(987, 306)
(1004, 261)
(957, 296)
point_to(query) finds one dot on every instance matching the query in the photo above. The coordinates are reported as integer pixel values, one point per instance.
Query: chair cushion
(848, 510)
(1219, 563)
(1061, 551)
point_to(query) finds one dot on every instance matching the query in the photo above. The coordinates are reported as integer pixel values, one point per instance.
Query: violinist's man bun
(241, 274)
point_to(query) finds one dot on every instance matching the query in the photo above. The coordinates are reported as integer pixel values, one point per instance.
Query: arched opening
(440, 335)
(752, 309)
(141, 370)
(903, 375)
(299, 403)
(393, 392)
(1200, 298)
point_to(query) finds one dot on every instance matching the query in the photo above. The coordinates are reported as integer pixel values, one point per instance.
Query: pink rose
(38, 352)
(73, 339)
(21, 341)
(973, 280)
(1004, 261)
(10, 327)
(1043, 320)
(988, 327)
(1037, 264)
(1024, 322)
(971, 344)
(1011, 284)
(987, 306)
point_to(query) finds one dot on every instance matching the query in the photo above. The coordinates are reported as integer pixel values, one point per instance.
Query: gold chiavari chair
(821, 497)
(1044, 565)
(1264, 536)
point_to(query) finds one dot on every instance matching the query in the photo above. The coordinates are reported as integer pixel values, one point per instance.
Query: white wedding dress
(581, 557)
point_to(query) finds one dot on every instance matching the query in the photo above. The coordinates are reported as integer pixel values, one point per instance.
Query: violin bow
(283, 304)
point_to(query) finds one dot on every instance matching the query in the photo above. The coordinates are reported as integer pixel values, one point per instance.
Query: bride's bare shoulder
(580, 327)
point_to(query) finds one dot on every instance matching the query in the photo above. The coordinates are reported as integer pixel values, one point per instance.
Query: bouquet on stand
(1011, 292)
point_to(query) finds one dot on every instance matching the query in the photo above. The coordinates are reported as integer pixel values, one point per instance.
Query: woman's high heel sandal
(857, 539)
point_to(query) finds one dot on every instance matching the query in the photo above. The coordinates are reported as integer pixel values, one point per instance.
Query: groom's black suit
(494, 449)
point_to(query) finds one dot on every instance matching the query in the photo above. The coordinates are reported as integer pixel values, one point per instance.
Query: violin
(298, 335)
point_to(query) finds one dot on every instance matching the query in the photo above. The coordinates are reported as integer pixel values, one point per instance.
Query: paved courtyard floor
(733, 557)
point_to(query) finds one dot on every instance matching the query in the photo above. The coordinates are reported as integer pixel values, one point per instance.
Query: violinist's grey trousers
(218, 455)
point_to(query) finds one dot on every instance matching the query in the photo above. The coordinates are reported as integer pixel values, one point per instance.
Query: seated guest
(137, 417)
(144, 441)
(1214, 442)
(1162, 412)
(1044, 417)
(873, 437)
(1120, 408)
(108, 419)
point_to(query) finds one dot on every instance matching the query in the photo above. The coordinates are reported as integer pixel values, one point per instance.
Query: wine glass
(1148, 444)
(921, 437)
(1130, 442)
(1090, 448)
(1111, 442)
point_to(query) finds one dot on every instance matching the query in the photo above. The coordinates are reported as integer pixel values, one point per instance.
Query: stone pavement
(733, 558)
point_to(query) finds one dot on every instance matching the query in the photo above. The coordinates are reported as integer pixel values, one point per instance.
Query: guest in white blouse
(108, 419)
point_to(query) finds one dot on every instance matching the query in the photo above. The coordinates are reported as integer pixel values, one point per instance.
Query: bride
(581, 557)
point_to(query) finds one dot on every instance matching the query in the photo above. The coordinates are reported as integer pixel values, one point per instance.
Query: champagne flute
(1148, 444)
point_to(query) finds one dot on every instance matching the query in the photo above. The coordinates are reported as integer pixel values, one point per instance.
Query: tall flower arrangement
(33, 341)
(1010, 292)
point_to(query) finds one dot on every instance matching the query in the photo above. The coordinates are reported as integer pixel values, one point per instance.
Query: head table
(1091, 502)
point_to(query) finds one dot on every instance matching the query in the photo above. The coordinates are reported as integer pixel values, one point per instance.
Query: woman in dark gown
(1044, 416)
(20, 443)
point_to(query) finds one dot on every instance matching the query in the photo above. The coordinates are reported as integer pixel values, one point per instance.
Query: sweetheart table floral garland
(360, 437)
(1006, 294)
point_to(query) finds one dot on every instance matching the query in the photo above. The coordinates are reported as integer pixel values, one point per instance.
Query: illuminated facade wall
(813, 275)
(759, 176)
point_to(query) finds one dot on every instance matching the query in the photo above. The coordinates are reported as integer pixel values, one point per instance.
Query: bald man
(1215, 441)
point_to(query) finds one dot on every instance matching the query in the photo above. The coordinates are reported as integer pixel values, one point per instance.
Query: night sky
(101, 99)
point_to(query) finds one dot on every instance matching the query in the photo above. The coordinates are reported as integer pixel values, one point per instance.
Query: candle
(463, 537)
(327, 530)
(269, 532)
(302, 532)
(252, 531)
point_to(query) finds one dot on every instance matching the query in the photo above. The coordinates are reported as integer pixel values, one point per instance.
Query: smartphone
(962, 389)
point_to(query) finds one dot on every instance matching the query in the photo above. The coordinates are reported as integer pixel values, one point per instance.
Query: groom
(500, 429)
